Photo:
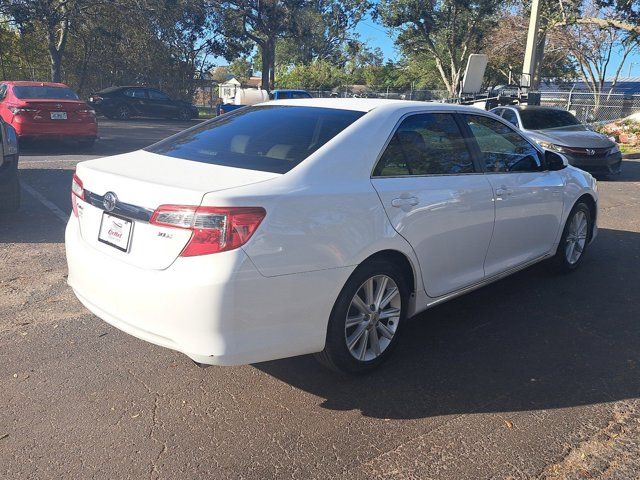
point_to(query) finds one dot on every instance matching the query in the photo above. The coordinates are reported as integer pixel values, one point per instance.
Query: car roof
(24, 83)
(368, 104)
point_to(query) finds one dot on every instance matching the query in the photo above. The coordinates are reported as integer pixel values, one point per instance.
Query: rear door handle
(405, 202)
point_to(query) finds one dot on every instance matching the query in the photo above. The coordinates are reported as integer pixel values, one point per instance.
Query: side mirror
(555, 161)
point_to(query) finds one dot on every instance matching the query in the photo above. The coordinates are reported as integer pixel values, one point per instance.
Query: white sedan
(316, 226)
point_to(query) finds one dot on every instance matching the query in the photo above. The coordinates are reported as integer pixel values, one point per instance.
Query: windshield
(268, 138)
(543, 119)
(49, 93)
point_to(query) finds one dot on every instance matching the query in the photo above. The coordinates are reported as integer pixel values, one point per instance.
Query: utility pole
(531, 53)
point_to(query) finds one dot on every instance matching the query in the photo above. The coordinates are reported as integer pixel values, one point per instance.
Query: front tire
(367, 318)
(575, 238)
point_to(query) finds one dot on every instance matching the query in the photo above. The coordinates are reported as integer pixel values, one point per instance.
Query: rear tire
(10, 195)
(575, 239)
(363, 331)
(184, 115)
(123, 112)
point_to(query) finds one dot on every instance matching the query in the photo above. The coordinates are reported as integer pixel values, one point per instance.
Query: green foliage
(241, 69)
(318, 75)
(445, 30)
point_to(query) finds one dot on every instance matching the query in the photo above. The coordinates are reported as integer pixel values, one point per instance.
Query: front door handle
(405, 202)
(503, 192)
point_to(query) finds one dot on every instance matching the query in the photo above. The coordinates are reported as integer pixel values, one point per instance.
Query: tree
(593, 44)
(446, 30)
(241, 69)
(505, 46)
(54, 18)
(261, 23)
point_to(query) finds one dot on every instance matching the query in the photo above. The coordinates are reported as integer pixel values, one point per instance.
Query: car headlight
(550, 146)
(614, 149)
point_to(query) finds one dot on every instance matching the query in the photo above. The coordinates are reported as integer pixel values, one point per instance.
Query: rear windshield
(49, 93)
(272, 138)
(542, 119)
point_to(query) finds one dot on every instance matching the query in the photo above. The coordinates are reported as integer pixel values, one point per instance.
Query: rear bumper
(217, 309)
(609, 165)
(48, 130)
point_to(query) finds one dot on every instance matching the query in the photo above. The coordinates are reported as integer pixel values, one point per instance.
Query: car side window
(135, 93)
(510, 116)
(503, 149)
(299, 95)
(426, 144)
(156, 95)
(3, 91)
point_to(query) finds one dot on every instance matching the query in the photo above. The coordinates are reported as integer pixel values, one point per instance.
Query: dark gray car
(558, 130)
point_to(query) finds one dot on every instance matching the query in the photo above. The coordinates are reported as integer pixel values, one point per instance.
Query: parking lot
(537, 375)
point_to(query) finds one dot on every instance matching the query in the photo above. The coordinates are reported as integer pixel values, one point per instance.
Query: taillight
(215, 229)
(77, 190)
(19, 110)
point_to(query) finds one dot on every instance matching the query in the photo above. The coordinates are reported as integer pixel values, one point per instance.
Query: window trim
(477, 152)
(478, 168)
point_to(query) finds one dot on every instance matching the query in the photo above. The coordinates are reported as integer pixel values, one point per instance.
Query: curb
(631, 156)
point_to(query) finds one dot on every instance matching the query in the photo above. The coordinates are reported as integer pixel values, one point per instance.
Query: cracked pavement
(536, 376)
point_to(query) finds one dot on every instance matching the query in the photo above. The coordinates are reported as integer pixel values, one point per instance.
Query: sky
(377, 36)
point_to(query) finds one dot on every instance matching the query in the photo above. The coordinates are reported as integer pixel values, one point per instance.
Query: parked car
(275, 95)
(317, 226)
(9, 180)
(45, 110)
(559, 130)
(122, 103)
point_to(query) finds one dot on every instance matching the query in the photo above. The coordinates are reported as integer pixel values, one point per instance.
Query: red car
(39, 110)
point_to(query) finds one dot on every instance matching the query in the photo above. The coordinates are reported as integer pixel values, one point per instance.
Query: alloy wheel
(576, 237)
(372, 318)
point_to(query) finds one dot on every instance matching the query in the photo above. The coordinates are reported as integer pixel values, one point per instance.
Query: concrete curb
(631, 156)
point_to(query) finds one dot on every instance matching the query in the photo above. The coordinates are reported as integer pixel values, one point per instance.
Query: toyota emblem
(591, 152)
(109, 201)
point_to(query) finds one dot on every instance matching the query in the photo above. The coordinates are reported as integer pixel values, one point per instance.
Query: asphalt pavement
(535, 376)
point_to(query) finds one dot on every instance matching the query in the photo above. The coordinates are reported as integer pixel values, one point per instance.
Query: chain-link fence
(591, 107)
(588, 107)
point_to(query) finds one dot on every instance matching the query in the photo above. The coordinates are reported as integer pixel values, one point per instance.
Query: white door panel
(528, 216)
(448, 220)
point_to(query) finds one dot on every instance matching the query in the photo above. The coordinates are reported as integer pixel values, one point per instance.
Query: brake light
(215, 229)
(19, 110)
(77, 191)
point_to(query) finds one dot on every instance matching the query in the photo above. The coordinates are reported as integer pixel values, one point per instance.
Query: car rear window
(266, 138)
(542, 119)
(49, 93)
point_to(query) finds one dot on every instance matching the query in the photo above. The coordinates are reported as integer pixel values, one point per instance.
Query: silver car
(558, 130)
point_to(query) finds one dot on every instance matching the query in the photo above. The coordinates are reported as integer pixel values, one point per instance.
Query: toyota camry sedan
(317, 226)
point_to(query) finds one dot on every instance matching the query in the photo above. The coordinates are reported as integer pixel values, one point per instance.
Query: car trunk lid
(133, 186)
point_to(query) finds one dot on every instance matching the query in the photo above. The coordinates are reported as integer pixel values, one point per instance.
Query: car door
(161, 105)
(437, 198)
(528, 197)
(137, 100)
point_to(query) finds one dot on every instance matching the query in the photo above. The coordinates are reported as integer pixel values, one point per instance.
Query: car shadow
(35, 222)
(533, 341)
(630, 172)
